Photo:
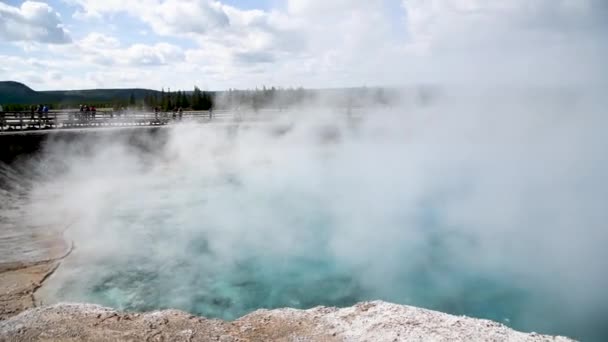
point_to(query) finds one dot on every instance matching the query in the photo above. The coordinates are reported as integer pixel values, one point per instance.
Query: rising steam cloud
(474, 201)
(488, 200)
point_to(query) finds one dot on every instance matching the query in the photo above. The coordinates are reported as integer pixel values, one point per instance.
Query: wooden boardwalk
(22, 121)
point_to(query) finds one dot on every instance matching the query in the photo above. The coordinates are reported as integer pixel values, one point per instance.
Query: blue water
(172, 261)
(221, 228)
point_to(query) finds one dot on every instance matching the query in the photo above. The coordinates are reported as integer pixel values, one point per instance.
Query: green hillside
(17, 96)
(17, 93)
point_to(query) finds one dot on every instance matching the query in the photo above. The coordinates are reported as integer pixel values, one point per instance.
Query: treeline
(202, 100)
(191, 100)
(253, 99)
(166, 101)
(283, 98)
(265, 98)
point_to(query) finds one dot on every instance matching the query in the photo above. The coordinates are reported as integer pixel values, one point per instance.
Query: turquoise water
(220, 228)
(219, 270)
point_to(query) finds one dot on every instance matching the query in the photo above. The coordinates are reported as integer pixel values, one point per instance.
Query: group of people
(178, 113)
(87, 112)
(41, 110)
(39, 114)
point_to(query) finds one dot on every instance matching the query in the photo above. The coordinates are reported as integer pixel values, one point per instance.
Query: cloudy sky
(70, 44)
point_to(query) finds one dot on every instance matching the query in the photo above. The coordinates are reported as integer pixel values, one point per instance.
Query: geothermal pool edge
(367, 321)
(20, 280)
(22, 318)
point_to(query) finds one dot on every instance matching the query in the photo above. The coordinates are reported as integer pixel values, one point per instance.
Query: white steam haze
(488, 204)
(489, 199)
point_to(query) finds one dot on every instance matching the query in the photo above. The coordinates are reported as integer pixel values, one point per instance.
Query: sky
(79, 44)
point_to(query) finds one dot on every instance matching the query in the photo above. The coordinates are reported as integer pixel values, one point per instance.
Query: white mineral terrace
(370, 321)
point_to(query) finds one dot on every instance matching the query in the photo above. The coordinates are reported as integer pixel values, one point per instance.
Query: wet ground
(29, 253)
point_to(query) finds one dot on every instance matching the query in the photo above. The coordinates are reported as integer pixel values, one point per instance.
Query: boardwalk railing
(17, 121)
(77, 119)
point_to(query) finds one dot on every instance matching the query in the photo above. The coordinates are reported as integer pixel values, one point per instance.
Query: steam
(490, 204)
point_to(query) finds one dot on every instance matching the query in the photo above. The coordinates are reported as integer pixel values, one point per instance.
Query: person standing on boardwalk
(33, 112)
(45, 116)
(39, 111)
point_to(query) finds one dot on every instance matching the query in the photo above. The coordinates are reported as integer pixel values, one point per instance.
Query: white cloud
(158, 54)
(35, 72)
(320, 43)
(33, 21)
(99, 41)
(98, 60)
(92, 8)
(452, 23)
(187, 16)
(516, 41)
(166, 17)
(98, 48)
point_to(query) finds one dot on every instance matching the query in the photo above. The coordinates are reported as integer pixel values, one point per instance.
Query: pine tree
(178, 99)
(196, 99)
(185, 102)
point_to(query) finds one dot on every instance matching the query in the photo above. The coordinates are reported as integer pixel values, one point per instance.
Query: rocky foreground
(370, 321)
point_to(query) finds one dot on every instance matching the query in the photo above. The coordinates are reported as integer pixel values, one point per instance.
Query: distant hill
(15, 92)
(18, 96)
(18, 93)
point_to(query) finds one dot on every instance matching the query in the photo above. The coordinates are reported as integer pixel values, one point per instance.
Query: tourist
(33, 112)
(180, 112)
(2, 120)
(93, 112)
(44, 116)
(39, 111)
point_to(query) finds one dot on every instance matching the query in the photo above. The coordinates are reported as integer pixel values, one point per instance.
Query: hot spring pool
(221, 223)
(279, 247)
